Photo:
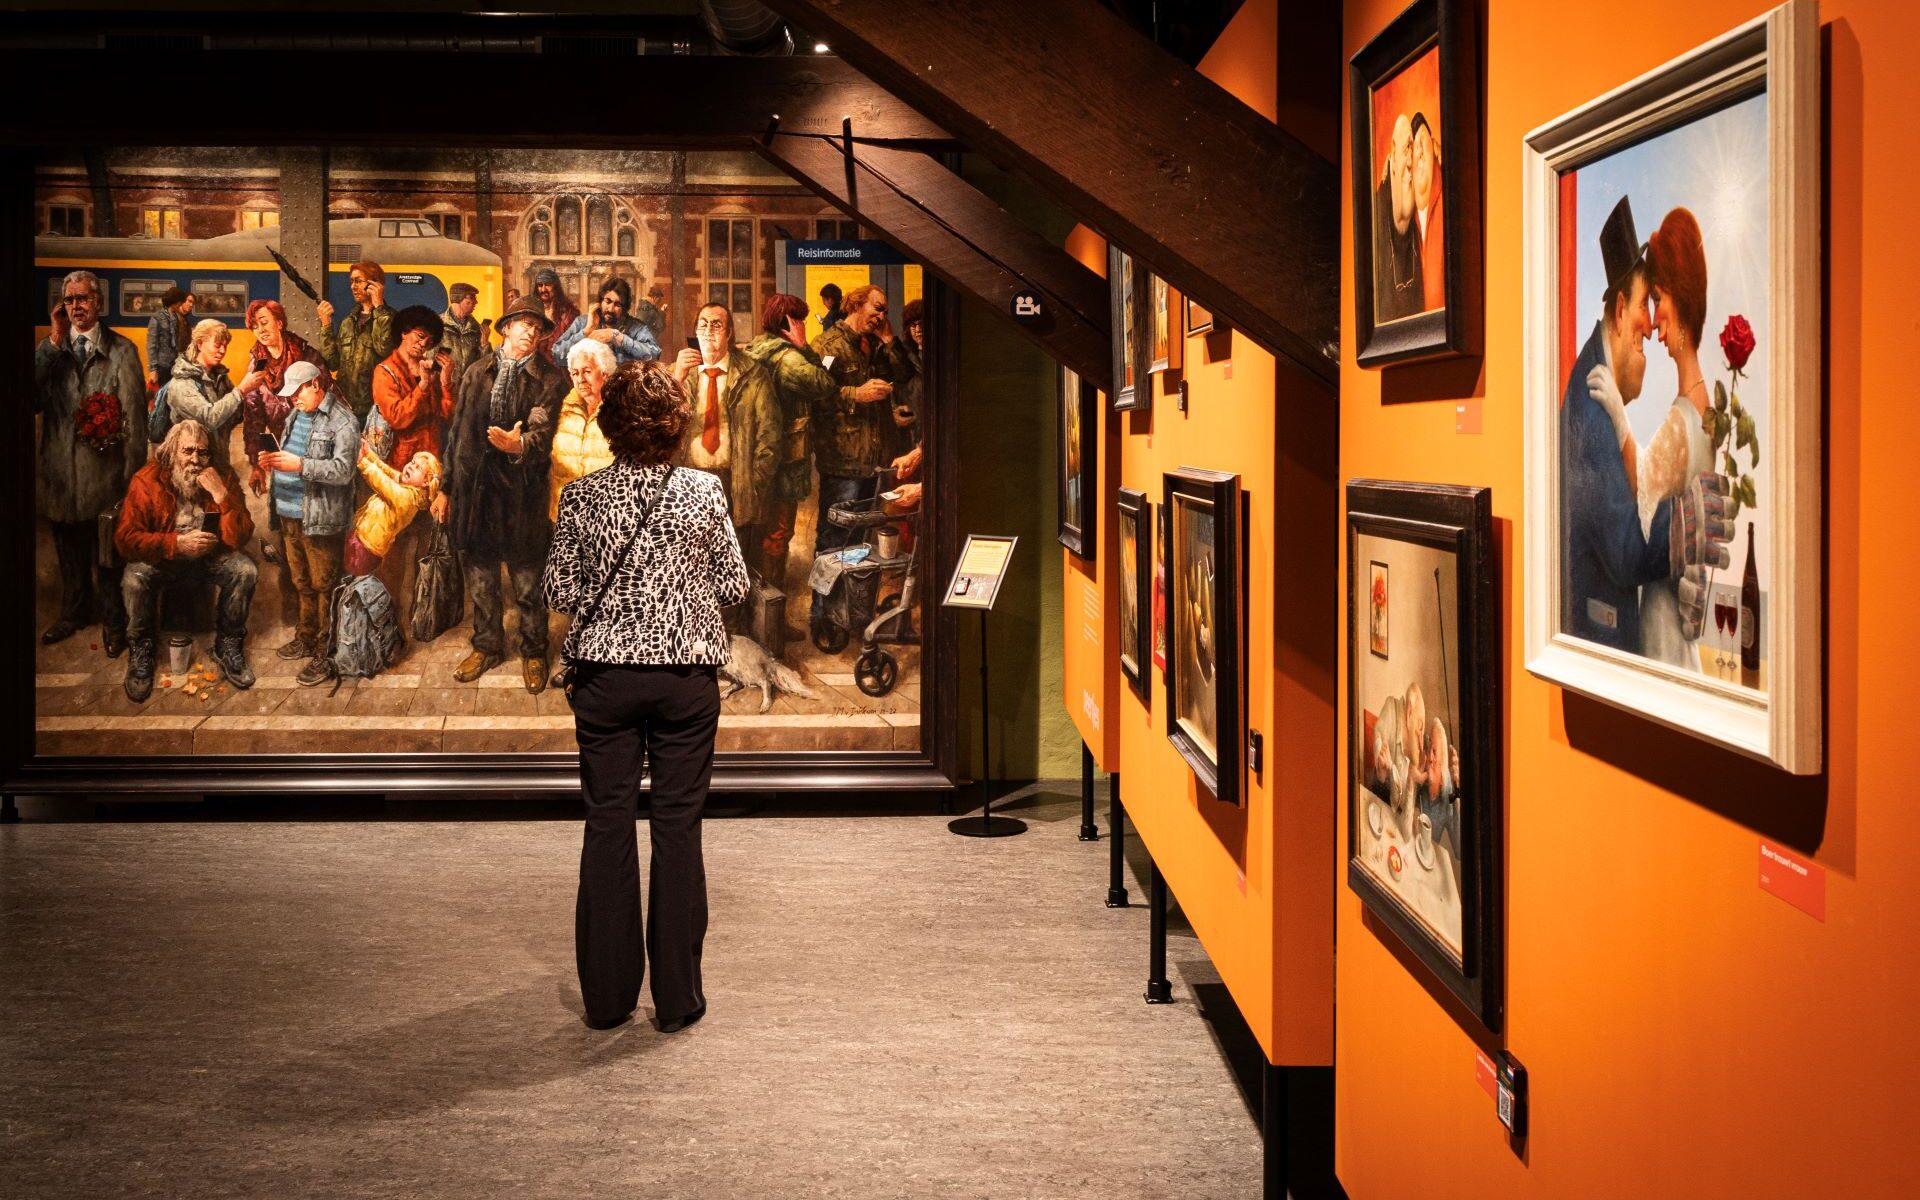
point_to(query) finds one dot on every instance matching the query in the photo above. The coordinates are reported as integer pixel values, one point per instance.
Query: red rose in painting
(1379, 593)
(1736, 340)
(98, 421)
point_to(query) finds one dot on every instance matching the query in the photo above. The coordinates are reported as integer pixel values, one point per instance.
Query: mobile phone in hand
(693, 343)
(210, 523)
(269, 443)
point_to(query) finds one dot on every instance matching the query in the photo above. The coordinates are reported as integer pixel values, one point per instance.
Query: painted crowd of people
(360, 440)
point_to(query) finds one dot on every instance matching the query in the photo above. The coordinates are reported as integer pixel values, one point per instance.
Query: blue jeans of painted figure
(836, 489)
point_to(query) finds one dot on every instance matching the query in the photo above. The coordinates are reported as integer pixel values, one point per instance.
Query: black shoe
(231, 654)
(675, 1026)
(316, 672)
(299, 647)
(59, 631)
(139, 683)
(616, 1023)
(114, 642)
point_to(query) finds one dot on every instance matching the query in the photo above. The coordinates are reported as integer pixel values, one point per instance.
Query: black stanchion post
(1159, 991)
(1089, 832)
(1117, 845)
(986, 824)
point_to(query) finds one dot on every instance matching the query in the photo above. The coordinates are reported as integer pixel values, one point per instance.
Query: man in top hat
(493, 495)
(1605, 556)
(556, 306)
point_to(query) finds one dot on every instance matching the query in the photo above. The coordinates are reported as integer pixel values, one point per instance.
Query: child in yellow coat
(395, 499)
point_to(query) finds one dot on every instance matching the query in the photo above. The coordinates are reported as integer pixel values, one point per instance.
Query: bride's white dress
(1678, 452)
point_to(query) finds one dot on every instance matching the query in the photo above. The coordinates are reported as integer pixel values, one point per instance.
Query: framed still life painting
(1204, 709)
(1079, 467)
(1135, 527)
(1672, 232)
(1416, 186)
(1423, 815)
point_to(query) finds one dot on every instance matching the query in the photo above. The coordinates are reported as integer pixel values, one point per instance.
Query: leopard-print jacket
(664, 606)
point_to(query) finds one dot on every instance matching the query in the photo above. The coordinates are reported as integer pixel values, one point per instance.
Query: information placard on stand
(976, 585)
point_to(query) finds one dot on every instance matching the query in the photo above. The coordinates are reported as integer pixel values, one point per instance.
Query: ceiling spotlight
(819, 47)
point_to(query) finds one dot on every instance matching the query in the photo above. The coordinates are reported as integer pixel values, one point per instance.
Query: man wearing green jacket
(363, 339)
(800, 386)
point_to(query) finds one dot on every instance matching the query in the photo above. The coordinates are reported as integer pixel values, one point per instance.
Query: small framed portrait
(1199, 320)
(1671, 236)
(1079, 467)
(1377, 608)
(1164, 343)
(1135, 531)
(1126, 284)
(1205, 711)
(1423, 812)
(1416, 186)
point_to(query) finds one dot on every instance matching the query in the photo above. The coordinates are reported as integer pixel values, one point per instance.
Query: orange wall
(1685, 1033)
(1255, 882)
(1090, 605)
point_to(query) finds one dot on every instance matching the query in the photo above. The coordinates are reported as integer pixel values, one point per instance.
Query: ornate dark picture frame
(1447, 29)
(1126, 284)
(97, 118)
(1135, 580)
(1205, 574)
(1078, 465)
(1410, 789)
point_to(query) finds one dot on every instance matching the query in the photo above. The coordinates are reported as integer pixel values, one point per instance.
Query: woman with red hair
(1680, 450)
(275, 348)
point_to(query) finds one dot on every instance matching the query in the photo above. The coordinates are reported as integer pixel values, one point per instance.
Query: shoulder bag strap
(646, 514)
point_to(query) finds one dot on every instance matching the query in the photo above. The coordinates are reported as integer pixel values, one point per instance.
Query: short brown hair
(642, 413)
(778, 310)
(369, 270)
(856, 297)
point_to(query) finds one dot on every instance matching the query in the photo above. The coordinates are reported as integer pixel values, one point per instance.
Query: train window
(448, 223)
(141, 297)
(219, 297)
(66, 220)
(389, 229)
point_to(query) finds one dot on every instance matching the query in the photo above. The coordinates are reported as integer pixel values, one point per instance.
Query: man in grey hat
(311, 503)
(493, 496)
(1605, 555)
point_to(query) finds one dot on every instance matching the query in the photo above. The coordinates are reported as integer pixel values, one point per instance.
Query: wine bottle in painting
(1750, 618)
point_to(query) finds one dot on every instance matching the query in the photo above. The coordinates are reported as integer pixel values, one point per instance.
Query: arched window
(568, 223)
(599, 225)
(624, 243)
(540, 233)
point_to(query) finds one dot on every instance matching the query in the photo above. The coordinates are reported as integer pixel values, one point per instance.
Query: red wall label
(1484, 1074)
(1800, 883)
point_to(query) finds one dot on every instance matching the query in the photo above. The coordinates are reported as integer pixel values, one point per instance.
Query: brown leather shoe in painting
(299, 647)
(533, 672)
(474, 665)
(59, 631)
(114, 642)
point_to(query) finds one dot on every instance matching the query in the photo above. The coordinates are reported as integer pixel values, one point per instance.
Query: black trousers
(88, 591)
(622, 714)
(489, 612)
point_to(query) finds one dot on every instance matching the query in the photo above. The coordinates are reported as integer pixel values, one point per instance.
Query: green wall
(1008, 436)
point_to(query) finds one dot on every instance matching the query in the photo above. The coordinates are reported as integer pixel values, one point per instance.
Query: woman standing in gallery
(644, 558)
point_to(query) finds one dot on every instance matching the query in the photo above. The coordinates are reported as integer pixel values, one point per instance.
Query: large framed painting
(1424, 813)
(1416, 186)
(210, 567)
(1205, 705)
(1673, 394)
(1134, 579)
(1078, 467)
(1132, 392)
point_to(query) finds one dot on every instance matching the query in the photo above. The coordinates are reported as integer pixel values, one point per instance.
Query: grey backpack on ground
(366, 629)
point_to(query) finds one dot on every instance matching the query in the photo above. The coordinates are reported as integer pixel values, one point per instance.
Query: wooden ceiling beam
(1223, 203)
(960, 235)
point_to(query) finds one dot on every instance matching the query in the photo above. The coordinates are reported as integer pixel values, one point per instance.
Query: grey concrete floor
(384, 1007)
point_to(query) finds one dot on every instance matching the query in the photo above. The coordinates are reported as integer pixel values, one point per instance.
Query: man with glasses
(736, 428)
(609, 324)
(89, 450)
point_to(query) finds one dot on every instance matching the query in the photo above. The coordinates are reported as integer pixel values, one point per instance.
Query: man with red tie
(736, 428)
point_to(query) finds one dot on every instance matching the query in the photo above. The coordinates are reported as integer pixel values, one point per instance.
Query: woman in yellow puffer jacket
(579, 448)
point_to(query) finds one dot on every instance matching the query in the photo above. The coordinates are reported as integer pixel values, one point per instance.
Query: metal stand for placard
(986, 825)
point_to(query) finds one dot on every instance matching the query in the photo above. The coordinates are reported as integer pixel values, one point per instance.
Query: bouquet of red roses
(98, 421)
